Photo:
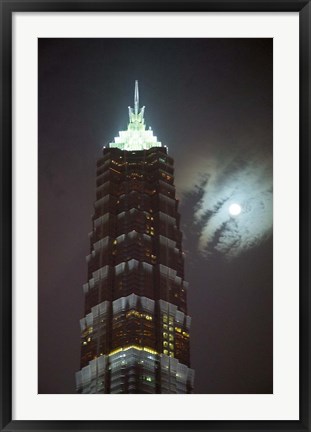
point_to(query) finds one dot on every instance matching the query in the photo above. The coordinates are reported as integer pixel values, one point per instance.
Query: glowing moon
(235, 209)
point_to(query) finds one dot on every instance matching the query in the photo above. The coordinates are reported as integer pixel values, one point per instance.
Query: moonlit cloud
(245, 179)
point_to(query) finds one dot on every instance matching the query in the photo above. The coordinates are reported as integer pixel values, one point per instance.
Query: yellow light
(136, 347)
(116, 351)
(112, 169)
(150, 350)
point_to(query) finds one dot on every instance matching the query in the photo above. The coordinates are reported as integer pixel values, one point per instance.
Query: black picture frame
(7, 9)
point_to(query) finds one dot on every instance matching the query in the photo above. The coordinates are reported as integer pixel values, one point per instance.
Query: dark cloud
(246, 180)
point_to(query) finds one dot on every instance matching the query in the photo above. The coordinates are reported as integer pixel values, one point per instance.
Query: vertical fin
(136, 98)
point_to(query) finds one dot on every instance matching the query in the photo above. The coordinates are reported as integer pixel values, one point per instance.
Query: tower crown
(136, 137)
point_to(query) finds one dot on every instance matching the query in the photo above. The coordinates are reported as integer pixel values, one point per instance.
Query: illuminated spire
(136, 137)
(136, 116)
(136, 98)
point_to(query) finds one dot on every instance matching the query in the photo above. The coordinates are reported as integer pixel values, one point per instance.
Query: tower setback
(135, 332)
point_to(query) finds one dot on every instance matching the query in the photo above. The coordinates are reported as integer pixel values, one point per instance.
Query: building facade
(135, 332)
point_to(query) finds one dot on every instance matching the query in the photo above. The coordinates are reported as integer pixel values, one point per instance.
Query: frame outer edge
(6, 216)
(6, 9)
(304, 205)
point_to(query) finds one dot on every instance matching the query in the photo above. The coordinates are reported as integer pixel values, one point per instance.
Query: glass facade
(135, 332)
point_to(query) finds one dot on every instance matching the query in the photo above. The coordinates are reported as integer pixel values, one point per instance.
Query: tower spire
(136, 114)
(136, 98)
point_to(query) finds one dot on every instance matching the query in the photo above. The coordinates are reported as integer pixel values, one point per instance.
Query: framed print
(155, 215)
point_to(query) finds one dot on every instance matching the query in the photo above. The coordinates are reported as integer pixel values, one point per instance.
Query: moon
(235, 209)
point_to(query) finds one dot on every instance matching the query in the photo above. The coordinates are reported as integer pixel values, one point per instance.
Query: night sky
(210, 102)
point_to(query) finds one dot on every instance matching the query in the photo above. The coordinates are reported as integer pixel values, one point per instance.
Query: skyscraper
(135, 332)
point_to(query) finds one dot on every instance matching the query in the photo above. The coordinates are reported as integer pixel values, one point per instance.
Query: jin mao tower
(135, 331)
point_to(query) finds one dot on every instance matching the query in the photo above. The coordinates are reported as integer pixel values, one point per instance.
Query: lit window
(171, 346)
(165, 343)
(165, 335)
(171, 354)
(171, 337)
(165, 351)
